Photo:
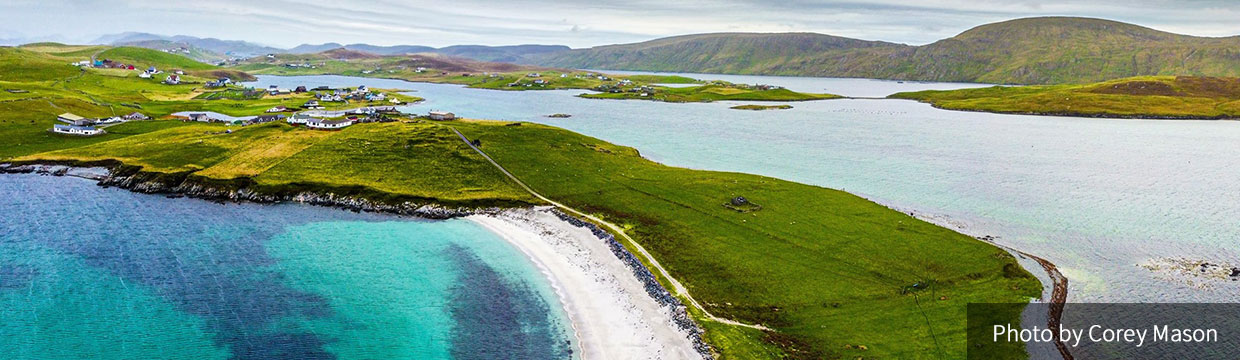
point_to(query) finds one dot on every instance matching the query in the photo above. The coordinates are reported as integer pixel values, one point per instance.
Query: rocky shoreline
(156, 183)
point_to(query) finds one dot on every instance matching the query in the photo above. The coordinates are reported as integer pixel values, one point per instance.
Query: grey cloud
(577, 23)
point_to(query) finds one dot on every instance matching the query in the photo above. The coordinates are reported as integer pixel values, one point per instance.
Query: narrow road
(677, 287)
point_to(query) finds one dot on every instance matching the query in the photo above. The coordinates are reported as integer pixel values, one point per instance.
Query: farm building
(329, 124)
(442, 115)
(76, 130)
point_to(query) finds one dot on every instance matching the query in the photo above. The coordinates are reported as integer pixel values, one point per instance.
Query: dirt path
(677, 287)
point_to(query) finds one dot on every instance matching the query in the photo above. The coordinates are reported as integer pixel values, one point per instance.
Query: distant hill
(512, 53)
(744, 53)
(1042, 50)
(207, 49)
(212, 50)
(313, 49)
(389, 50)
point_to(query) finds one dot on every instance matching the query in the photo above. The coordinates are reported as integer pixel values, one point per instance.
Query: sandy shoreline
(612, 315)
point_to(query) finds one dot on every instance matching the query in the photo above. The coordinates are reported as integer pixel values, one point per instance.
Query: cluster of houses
(589, 76)
(242, 121)
(746, 86)
(337, 120)
(78, 125)
(219, 83)
(105, 64)
(361, 93)
(146, 74)
(625, 86)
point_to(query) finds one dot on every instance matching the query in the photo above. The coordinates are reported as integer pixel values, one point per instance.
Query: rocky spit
(148, 184)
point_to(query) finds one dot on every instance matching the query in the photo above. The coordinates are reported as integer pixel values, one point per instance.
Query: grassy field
(433, 165)
(826, 269)
(830, 271)
(834, 274)
(712, 92)
(1172, 97)
(37, 83)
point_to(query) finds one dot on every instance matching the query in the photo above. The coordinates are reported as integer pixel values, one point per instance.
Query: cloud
(386, 22)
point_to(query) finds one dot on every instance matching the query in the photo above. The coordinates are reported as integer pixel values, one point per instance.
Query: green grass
(1147, 97)
(232, 94)
(147, 57)
(432, 164)
(828, 270)
(825, 268)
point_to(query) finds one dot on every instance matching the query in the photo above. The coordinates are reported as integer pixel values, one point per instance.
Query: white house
(76, 130)
(145, 75)
(328, 124)
(299, 119)
(172, 79)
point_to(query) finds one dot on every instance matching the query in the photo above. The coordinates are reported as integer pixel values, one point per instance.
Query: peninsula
(1147, 97)
(802, 272)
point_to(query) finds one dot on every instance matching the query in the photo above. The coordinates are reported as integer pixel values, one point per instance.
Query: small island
(559, 116)
(1145, 97)
(713, 91)
(761, 107)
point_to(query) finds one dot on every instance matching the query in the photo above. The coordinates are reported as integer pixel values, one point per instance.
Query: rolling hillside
(743, 53)
(1043, 50)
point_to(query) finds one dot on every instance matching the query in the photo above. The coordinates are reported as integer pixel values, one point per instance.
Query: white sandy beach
(611, 313)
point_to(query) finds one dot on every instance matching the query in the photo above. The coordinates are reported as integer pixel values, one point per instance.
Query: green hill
(742, 53)
(1042, 50)
(148, 57)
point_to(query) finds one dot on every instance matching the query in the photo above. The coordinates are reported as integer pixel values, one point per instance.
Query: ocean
(88, 272)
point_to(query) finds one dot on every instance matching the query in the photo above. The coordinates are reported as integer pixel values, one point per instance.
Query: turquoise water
(108, 274)
(1098, 197)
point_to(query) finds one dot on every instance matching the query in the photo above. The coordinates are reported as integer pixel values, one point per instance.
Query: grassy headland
(1159, 97)
(835, 275)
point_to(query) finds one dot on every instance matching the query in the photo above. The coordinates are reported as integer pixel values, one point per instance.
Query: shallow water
(108, 274)
(1098, 197)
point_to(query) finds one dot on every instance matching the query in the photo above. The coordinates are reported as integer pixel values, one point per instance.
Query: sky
(285, 23)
